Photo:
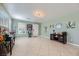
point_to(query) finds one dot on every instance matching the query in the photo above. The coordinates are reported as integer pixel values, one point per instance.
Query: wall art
(71, 24)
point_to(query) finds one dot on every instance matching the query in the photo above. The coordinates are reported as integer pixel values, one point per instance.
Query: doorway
(35, 30)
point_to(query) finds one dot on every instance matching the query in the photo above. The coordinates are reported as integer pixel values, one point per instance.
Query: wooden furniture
(6, 42)
(6, 47)
(62, 37)
(3, 51)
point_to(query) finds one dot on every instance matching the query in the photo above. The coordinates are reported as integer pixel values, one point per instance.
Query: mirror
(58, 26)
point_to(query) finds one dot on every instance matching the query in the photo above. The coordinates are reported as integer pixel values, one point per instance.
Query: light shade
(39, 13)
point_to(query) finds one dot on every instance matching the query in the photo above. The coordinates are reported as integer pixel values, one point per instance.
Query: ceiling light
(39, 13)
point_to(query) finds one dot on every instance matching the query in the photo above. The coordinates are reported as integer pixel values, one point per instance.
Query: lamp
(39, 13)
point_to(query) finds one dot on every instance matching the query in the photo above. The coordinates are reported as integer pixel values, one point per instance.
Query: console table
(61, 37)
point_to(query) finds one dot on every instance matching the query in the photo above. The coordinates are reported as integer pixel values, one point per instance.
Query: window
(21, 28)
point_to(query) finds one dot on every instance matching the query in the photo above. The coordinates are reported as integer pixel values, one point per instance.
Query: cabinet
(61, 37)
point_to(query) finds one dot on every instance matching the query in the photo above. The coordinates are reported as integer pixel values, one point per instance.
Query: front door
(29, 30)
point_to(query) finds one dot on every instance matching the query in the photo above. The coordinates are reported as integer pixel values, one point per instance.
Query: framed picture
(58, 25)
(51, 26)
(71, 24)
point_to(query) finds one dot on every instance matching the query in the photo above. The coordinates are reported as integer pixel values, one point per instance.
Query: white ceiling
(24, 11)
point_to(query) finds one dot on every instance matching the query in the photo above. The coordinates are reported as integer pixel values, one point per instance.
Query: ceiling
(24, 11)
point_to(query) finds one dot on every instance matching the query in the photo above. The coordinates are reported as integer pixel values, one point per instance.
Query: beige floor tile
(38, 46)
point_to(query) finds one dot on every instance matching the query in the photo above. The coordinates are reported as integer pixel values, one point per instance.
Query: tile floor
(37, 46)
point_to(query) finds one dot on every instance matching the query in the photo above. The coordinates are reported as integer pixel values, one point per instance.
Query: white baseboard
(74, 44)
(67, 43)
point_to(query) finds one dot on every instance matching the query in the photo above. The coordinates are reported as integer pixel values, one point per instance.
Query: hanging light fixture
(39, 13)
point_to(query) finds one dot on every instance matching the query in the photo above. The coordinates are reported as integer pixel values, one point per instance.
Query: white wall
(5, 20)
(72, 34)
